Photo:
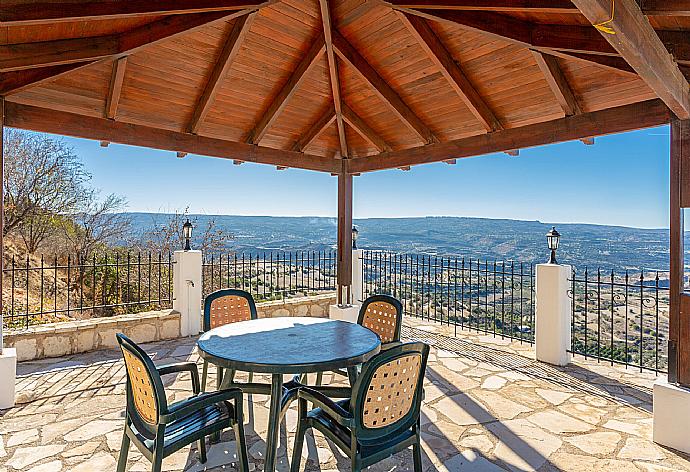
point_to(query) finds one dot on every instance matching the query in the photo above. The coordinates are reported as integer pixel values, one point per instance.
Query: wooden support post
(679, 315)
(344, 238)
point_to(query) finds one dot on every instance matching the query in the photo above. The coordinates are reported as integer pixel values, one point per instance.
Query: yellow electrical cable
(603, 26)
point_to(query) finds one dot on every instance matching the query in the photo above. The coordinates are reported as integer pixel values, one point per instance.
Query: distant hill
(581, 244)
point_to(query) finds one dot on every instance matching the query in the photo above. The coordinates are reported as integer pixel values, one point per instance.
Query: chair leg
(299, 436)
(319, 379)
(251, 377)
(124, 451)
(157, 463)
(417, 453)
(219, 376)
(202, 450)
(204, 374)
(241, 442)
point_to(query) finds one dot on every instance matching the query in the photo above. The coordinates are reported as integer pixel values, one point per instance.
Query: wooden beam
(344, 266)
(613, 120)
(557, 83)
(281, 99)
(115, 89)
(334, 75)
(529, 6)
(315, 130)
(364, 130)
(67, 51)
(29, 12)
(351, 56)
(231, 48)
(70, 124)
(442, 58)
(666, 7)
(17, 81)
(638, 43)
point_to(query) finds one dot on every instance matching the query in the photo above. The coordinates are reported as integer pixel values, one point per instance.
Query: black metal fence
(272, 276)
(621, 317)
(43, 290)
(495, 297)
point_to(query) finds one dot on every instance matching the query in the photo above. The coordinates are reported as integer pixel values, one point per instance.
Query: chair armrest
(190, 405)
(386, 346)
(318, 399)
(183, 367)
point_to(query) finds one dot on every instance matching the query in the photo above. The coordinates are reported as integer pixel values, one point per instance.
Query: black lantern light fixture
(355, 235)
(552, 238)
(187, 234)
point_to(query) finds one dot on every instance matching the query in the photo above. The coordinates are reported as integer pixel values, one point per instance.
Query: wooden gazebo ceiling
(342, 85)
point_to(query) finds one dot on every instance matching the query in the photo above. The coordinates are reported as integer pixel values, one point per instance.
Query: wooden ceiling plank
(557, 83)
(608, 121)
(666, 7)
(638, 43)
(80, 126)
(231, 48)
(279, 102)
(530, 6)
(385, 92)
(29, 12)
(334, 75)
(66, 51)
(315, 130)
(17, 81)
(115, 89)
(364, 130)
(442, 58)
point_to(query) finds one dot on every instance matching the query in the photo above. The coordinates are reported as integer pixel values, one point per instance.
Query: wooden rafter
(227, 55)
(612, 120)
(557, 83)
(279, 102)
(384, 91)
(531, 6)
(364, 130)
(26, 12)
(334, 75)
(20, 80)
(67, 51)
(80, 126)
(638, 43)
(115, 89)
(666, 7)
(316, 129)
(442, 58)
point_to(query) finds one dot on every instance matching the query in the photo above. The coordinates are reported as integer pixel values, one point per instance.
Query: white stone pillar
(8, 375)
(553, 314)
(357, 277)
(671, 415)
(187, 291)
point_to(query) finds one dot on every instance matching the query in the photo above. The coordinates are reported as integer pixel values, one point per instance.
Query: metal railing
(495, 297)
(62, 288)
(620, 317)
(273, 275)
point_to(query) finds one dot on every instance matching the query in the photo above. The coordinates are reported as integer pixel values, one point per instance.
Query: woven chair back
(382, 314)
(228, 306)
(387, 394)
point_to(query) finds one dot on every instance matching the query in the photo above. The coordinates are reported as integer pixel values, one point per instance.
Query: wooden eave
(342, 85)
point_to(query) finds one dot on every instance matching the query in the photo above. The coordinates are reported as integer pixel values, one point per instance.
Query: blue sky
(621, 180)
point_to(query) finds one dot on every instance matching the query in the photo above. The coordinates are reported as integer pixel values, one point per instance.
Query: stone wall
(72, 337)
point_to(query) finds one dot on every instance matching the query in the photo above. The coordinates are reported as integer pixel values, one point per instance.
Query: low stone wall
(316, 306)
(73, 337)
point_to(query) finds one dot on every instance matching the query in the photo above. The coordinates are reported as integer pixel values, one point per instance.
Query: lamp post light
(187, 234)
(355, 235)
(552, 238)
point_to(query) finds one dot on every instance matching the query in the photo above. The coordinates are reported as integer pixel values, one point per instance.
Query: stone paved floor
(489, 407)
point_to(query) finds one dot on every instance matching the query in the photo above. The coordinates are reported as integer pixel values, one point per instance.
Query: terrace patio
(489, 406)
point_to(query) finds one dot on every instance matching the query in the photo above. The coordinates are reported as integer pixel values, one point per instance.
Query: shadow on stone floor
(573, 376)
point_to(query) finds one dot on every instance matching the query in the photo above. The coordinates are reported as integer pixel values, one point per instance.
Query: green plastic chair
(158, 429)
(382, 416)
(382, 314)
(225, 306)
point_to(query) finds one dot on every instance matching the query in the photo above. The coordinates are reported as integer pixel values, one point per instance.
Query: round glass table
(279, 346)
